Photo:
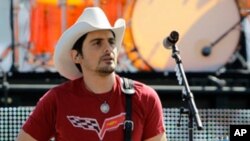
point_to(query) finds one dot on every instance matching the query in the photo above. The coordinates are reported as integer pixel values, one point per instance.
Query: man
(91, 106)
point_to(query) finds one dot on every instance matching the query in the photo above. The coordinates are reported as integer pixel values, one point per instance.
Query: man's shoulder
(67, 85)
(141, 88)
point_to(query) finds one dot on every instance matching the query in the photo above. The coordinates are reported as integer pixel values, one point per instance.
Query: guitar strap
(127, 88)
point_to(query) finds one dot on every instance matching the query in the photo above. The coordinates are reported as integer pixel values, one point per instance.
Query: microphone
(171, 39)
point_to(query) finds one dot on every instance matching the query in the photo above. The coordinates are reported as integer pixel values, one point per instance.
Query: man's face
(99, 52)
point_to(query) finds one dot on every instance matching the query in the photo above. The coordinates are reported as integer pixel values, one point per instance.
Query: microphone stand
(186, 94)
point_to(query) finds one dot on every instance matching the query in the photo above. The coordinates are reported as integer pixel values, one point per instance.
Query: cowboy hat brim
(62, 58)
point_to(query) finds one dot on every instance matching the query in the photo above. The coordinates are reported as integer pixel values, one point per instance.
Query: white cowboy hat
(92, 19)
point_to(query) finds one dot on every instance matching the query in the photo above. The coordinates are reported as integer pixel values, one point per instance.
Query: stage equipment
(201, 23)
(187, 95)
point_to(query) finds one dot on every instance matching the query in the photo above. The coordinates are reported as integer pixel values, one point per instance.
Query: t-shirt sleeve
(41, 123)
(154, 121)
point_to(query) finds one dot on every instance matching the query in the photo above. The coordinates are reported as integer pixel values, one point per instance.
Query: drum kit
(210, 32)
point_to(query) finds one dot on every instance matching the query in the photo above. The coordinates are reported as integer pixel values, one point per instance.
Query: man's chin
(107, 70)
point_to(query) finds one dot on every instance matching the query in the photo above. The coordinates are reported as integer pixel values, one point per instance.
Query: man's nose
(108, 47)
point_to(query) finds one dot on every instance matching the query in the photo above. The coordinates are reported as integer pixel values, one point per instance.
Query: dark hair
(78, 47)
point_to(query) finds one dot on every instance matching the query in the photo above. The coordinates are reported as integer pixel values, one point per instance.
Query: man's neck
(99, 83)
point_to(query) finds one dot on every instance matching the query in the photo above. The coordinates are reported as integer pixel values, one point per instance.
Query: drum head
(199, 23)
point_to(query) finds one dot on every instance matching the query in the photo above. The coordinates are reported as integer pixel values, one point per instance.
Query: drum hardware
(11, 52)
(238, 59)
(5, 53)
(5, 88)
(187, 95)
(207, 50)
(62, 4)
(241, 59)
(8, 51)
(217, 81)
(12, 26)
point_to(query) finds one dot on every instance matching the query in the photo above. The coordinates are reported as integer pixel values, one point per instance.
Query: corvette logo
(92, 124)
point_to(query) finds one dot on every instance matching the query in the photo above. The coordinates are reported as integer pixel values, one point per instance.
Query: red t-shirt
(69, 112)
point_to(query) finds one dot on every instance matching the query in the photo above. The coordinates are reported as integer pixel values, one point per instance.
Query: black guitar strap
(128, 90)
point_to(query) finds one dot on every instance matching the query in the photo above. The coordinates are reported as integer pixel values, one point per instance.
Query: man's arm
(160, 137)
(23, 136)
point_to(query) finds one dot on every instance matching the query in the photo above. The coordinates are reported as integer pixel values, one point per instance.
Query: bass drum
(200, 23)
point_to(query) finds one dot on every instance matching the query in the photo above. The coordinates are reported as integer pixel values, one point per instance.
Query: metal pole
(63, 5)
(13, 68)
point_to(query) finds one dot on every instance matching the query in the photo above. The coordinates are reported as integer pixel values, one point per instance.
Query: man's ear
(75, 56)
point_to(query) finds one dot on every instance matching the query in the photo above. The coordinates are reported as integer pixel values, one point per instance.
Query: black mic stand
(187, 95)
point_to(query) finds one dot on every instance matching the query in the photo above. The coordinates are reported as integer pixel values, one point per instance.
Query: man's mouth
(107, 59)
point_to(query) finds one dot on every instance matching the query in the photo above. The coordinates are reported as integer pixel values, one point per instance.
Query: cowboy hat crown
(92, 19)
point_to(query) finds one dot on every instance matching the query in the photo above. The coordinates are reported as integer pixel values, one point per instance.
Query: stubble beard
(106, 70)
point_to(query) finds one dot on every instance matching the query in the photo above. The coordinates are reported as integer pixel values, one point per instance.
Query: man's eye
(97, 43)
(112, 42)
